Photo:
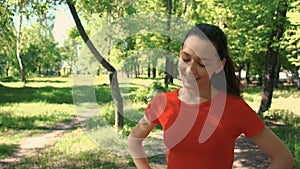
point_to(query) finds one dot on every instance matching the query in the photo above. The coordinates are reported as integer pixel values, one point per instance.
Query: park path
(29, 147)
(247, 155)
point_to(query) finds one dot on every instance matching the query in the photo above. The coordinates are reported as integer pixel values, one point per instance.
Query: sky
(63, 21)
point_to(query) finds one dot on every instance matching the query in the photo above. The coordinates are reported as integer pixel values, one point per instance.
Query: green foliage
(287, 128)
(247, 24)
(146, 94)
(6, 150)
(132, 115)
(283, 115)
(24, 117)
(39, 50)
(9, 79)
(108, 113)
(36, 94)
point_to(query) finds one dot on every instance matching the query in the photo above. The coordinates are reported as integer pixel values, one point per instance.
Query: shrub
(146, 94)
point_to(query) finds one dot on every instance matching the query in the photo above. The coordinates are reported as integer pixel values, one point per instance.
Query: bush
(146, 94)
(9, 79)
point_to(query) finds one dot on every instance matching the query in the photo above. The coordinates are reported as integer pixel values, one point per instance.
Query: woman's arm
(135, 139)
(268, 142)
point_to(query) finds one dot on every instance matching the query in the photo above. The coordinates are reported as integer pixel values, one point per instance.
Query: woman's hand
(135, 139)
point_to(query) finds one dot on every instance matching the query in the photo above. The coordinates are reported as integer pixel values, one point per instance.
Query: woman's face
(198, 61)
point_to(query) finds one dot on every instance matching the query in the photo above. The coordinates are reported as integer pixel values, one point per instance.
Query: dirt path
(247, 155)
(28, 147)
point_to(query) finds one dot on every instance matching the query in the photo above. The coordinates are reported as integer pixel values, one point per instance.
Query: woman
(202, 119)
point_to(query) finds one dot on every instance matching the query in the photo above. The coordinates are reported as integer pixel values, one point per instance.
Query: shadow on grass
(45, 81)
(6, 150)
(286, 91)
(249, 155)
(49, 94)
(282, 91)
(9, 79)
(9, 121)
(94, 159)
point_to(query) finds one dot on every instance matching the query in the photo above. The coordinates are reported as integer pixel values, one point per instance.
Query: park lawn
(32, 110)
(286, 98)
(46, 102)
(76, 150)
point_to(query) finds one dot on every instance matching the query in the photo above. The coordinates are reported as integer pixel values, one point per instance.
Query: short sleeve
(249, 122)
(155, 108)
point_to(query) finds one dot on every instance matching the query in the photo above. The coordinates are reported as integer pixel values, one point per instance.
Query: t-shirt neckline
(207, 102)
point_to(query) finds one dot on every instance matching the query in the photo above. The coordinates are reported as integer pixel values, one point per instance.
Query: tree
(112, 71)
(272, 55)
(39, 50)
(291, 41)
(168, 76)
(255, 34)
(22, 9)
(69, 50)
(248, 26)
(19, 34)
(7, 38)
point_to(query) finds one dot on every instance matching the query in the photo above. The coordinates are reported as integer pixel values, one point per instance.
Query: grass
(75, 150)
(283, 117)
(45, 102)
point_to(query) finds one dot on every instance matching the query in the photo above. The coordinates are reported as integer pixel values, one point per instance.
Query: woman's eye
(186, 60)
(201, 65)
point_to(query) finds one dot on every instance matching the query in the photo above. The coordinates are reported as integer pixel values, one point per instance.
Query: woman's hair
(229, 82)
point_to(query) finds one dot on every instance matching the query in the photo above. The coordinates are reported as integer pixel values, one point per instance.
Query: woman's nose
(192, 68)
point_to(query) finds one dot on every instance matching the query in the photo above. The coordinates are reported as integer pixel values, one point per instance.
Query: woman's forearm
(135, 140)
(141, 163)
(286, 161)
(138, 153)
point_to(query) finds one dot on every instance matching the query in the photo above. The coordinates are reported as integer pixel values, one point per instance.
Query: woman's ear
(221, 65)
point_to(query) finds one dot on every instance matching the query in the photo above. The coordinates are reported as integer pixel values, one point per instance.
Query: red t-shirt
(202, 136)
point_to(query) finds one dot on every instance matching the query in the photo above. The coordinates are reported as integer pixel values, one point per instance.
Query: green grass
(75, 150)
(43, 103)
(283, 117)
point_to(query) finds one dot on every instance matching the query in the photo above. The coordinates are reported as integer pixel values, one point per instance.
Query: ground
(247, 155)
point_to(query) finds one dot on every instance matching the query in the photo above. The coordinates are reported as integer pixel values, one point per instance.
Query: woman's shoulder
(237, 102)
(234, 100)
(233, 97)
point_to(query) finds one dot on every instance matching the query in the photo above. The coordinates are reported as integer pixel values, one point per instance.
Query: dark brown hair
(225, 80)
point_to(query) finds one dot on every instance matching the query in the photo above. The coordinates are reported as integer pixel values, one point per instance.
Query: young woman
(202, 119)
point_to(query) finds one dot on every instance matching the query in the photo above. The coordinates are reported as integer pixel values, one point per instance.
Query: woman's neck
(194, 97)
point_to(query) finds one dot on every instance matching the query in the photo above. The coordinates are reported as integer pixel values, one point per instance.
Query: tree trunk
(268, 80)
(153, 72)
(185, 7)
(148, 70)
(119, 120)
(6, 69)
(167, 71)
(277, 69)
(247, 68)
(297, 76)
(18, 52)
(272, 57)
(168, 77)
